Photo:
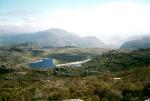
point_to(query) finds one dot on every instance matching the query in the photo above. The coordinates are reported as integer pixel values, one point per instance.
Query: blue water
(42, 64)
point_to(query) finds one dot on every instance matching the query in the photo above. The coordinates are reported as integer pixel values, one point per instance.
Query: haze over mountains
(53, 38)
(136, 43)
(59, 38)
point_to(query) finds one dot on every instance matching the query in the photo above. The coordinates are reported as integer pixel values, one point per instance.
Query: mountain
(52, 38)
(137, 43)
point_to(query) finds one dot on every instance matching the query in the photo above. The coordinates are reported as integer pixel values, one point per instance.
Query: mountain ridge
(137, 43)
(53, 38)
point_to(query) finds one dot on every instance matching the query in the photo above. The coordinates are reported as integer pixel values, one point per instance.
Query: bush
(60, 94)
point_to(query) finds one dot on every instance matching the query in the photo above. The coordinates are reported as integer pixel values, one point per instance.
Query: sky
(109, 20)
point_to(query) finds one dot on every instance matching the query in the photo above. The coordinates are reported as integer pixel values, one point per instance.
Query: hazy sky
(105, 19)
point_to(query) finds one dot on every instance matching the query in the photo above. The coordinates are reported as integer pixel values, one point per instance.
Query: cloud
(15, 12)
(2, 19)
(16, 29)
(17, 17)
(120, 19)
(105, 21)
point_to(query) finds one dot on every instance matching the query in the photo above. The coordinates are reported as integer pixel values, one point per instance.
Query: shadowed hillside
(142, 42)
(120, 60)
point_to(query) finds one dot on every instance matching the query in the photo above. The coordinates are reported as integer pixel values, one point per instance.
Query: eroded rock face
(73, 100)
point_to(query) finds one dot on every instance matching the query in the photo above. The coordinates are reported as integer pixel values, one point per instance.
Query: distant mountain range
(137, 43)
(53, 38)
(60, 38)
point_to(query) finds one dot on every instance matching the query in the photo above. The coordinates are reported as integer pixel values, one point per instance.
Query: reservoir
(44, 63)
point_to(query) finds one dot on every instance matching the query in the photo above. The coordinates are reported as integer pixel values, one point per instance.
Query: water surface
(42, 64)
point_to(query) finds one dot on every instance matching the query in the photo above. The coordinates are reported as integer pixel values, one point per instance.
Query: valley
(107, 75)
(36, 67)
(74, 50)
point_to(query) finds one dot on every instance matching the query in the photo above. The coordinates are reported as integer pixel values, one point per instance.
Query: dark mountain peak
(140, 42)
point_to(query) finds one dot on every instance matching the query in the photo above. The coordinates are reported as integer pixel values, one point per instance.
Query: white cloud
(120, 19)
(111, 19)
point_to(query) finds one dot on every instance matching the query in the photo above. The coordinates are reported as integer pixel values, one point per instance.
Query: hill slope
(53, 38)
(23, 84)
(137, 43)
(119, 60)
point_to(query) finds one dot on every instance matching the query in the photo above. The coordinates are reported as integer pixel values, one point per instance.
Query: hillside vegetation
(64, 55)
(120, 60)
(118, 75)
(29, 85)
